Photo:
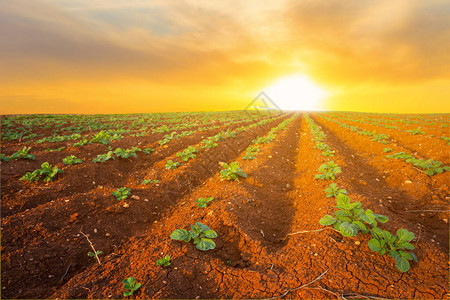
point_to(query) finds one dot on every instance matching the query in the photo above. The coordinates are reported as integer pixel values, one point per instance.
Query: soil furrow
(371, 183)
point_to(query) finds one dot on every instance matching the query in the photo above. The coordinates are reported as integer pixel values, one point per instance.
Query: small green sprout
(4, 158)
(165, 261)
(130, 286)
(121, 193)
(172, 165)
(71, 160)
(333, 190)
(96, 254)
(147, 181)
(387, 150)
(202, 202)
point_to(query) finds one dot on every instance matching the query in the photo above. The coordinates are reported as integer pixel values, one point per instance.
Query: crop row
(388, 125)
(429, 166)
(351, 218)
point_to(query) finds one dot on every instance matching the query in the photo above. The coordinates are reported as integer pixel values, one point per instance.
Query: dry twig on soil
(92, 246)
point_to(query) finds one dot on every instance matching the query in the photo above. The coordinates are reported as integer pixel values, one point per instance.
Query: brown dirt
(261, 251)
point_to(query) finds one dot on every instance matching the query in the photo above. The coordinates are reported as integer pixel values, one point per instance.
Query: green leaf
(210, 234)
(327, 220)
(202, 227)
(206, 244)
(180, 235)
(348, 229)
(374, 245)
(129, 280)
(360, 225)
(406, 245)
(405, 235)
(406, 255)
(381, 218)
(413, 256)
(402, 264)
(127, 293)
(137, 286)
(377, 232)
(343, 201)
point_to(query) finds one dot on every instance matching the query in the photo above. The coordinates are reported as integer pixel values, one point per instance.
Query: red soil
(262, 248)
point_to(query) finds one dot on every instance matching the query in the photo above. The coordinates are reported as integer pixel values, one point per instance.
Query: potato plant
(130, 286)
(203, 202)
(48, 171)
(172, 165)
(121, 193)
(333, 190)
(201, 235)
(104, 157)
(188, 153)
(165, 261)
(72, 160)
(328, 171)
(352, 218)
(232, 171)
(23, 154)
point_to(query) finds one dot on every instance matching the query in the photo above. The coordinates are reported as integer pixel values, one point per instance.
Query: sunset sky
(125, 56)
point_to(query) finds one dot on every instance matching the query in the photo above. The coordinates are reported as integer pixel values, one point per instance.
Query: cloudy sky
(121, 56)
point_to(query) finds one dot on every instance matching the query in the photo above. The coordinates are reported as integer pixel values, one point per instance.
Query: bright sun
(296, 92)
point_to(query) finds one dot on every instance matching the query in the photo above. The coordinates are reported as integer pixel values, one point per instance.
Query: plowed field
(270, 243)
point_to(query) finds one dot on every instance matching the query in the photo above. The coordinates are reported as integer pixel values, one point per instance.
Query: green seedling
(381, 138)
(395, 245)
(96, 254)
(232, 171)
(329, 171)
(203, 202)
(209, 143)
(46, 170)
(351, 217)
(72, 160)
(126, 153)
(251, 152)
(387, 150)
(416, 131)
(23, 154)
(165, 261)
(4, 158)
(333, 190)
(81, 143)
(148, 150)
(130, 286)
(188, 153)
(200, 234)
(147, 181)
(104, 157)
(172, 165)
(55, 150)
(121, 193)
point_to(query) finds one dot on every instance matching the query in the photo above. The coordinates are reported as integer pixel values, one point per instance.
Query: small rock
(408, 181)
(445, 220)
(95, 230)
(135, 197)
(288, 185)
(357, 243)
(269, 156)
(126, 205)
(146, 200)
(432, 240)
(107, 234)
(93, 182)
(389, 197)
(164, 282)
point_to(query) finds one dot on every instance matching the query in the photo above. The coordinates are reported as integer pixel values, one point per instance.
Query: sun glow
(296, 92)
